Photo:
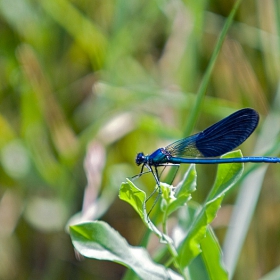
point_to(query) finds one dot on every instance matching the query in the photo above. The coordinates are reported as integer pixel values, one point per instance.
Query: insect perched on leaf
(206, 146)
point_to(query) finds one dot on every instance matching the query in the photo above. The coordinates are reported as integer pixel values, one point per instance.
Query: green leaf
(134, 196)
(226, 177)
(208, 265)
(188, 183)
(137, 198)
(212, 256)
(190, 247)
(99, 241)
(183, 190)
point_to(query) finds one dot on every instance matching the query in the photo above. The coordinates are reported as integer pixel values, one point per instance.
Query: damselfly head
(140, 158)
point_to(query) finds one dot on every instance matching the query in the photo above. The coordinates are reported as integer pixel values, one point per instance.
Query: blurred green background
(85, 85)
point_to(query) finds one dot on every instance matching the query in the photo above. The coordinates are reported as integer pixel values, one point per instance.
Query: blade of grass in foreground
(205, 81)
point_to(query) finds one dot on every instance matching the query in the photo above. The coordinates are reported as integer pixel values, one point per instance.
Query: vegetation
(85, 86)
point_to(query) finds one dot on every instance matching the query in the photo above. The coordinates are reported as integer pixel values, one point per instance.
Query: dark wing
(219, 138)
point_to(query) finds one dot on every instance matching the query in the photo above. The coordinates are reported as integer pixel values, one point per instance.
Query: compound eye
(140, 158)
